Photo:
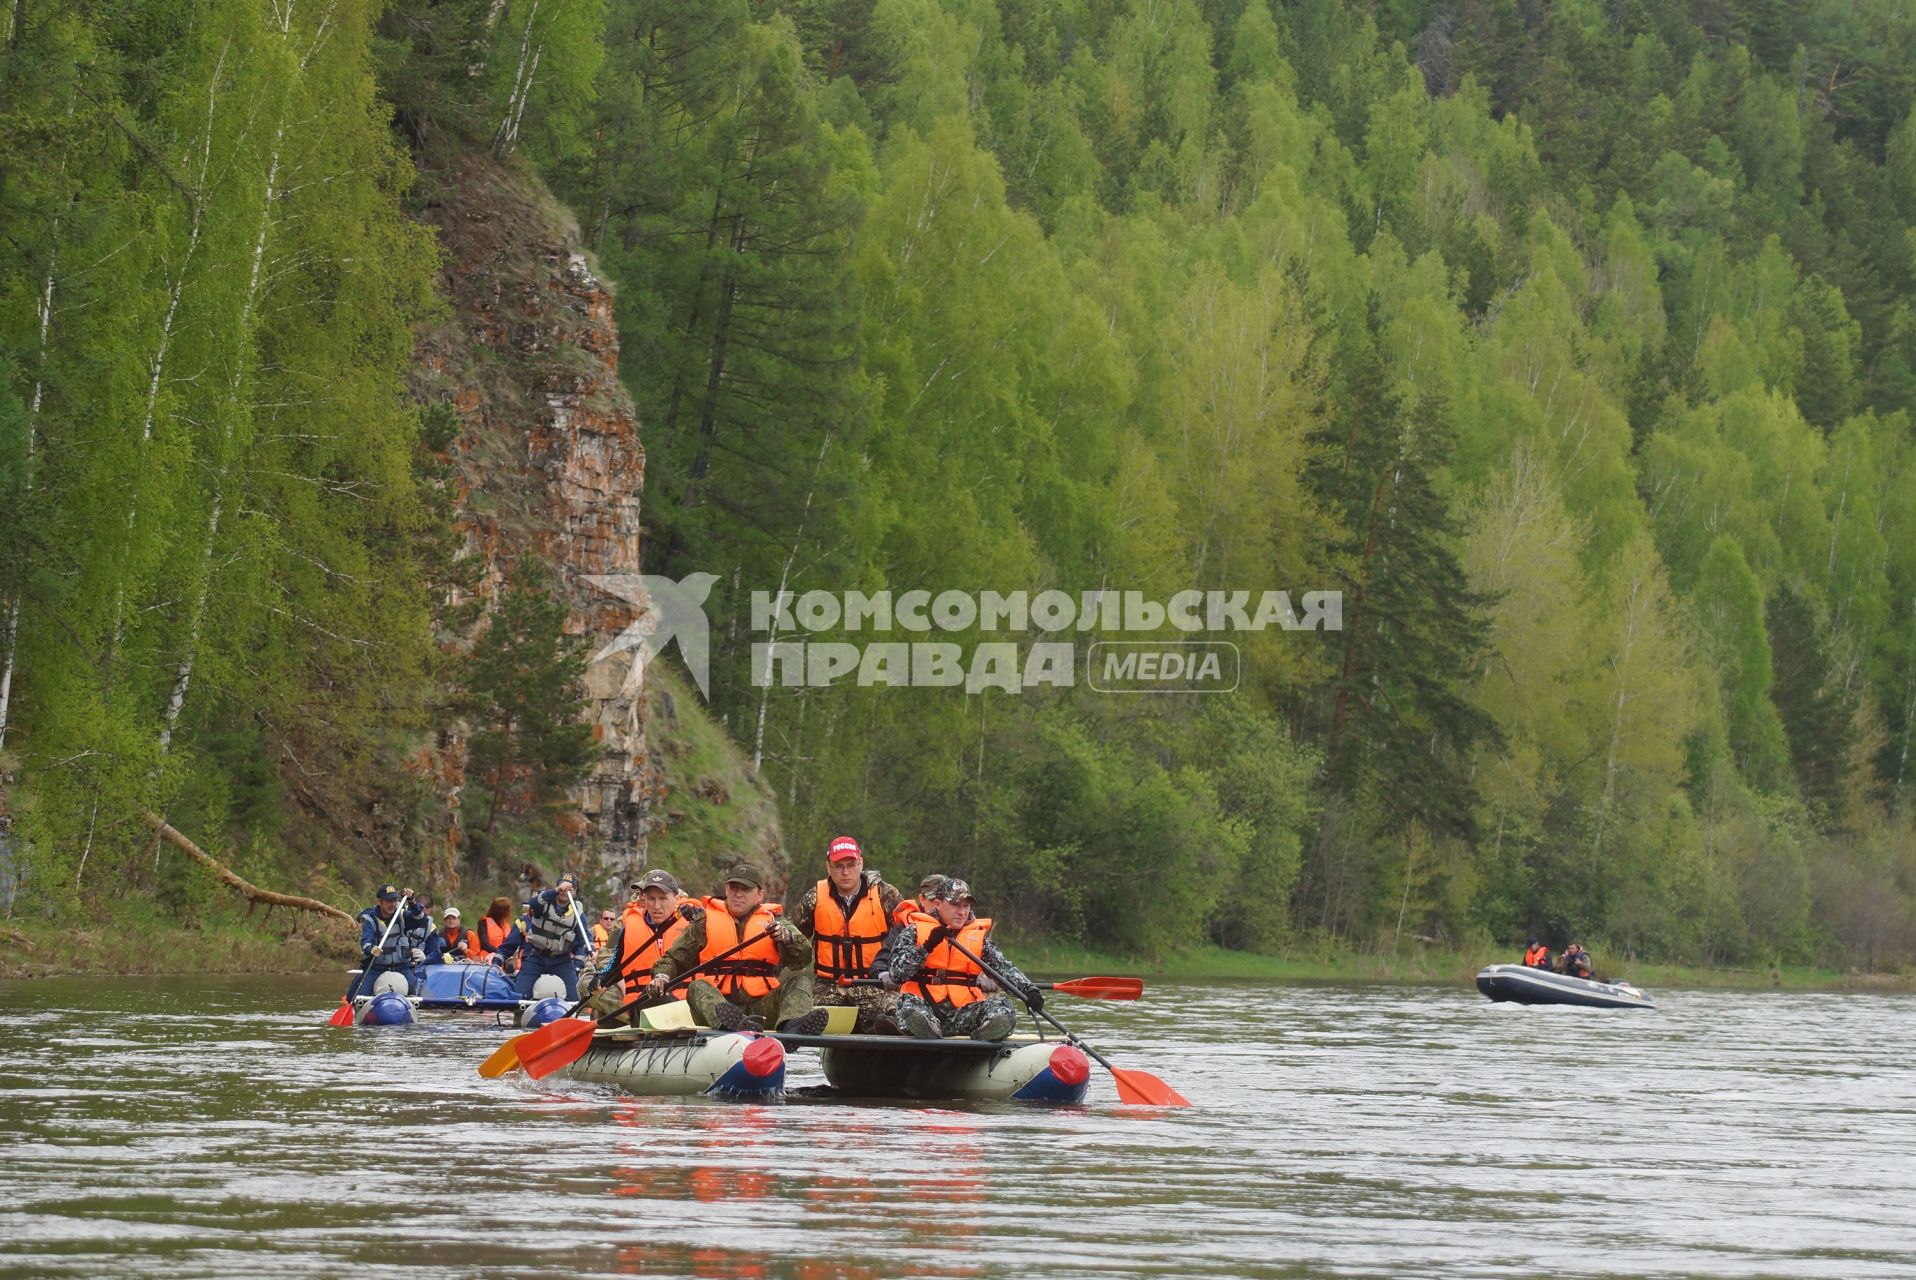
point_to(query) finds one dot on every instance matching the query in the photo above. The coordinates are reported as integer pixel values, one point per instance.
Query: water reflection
(220, 1128)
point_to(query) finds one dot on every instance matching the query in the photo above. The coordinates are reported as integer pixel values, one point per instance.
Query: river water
(219, 1128)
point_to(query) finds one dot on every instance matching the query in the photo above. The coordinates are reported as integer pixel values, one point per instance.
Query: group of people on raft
(921, 966)
(1575, 961)
(397, 935)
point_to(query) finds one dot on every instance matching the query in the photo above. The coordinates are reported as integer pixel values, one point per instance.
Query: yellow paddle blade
(503, 1059)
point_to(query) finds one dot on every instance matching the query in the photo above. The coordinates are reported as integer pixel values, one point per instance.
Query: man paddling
(847, 916)
(942, 991)
(769, 983)
(651, 922)
(388, 947)
(553, 937)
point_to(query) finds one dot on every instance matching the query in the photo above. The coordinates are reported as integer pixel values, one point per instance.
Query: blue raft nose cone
(545, 1011)
(387, 1009)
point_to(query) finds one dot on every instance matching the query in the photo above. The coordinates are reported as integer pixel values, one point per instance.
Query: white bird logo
(668, 610)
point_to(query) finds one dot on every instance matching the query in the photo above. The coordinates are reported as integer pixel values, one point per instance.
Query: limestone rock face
(548, 460)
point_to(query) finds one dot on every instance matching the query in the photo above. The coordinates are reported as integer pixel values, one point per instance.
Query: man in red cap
(846, 915)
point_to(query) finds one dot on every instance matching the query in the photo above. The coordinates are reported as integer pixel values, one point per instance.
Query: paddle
(506, 1057)
(1087, 988)
(1138, 1087)
(1099, 988)
(343, 1016)
(563, 1041)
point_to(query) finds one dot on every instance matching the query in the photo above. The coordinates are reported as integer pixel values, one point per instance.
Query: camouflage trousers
(959, 1020)
(610, 999)
(872, 1003)
(792, 998)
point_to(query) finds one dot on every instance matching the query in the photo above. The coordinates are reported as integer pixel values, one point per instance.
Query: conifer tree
(520, 690)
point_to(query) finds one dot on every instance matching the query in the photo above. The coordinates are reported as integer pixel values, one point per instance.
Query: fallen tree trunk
(251, 892)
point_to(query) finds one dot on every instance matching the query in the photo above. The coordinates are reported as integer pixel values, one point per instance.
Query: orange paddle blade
(1102, 988)
(342, 1016)
(501, 1060)
(570, 1039)
(1146, 1090)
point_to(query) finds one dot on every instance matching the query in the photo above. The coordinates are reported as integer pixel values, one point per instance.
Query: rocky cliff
(548, 463)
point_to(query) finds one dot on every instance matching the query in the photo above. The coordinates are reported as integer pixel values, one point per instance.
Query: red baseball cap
(841, 848)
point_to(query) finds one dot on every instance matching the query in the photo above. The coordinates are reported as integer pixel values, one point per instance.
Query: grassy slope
(715, 810)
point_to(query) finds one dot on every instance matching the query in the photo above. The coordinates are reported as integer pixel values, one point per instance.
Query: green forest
(1574, 342)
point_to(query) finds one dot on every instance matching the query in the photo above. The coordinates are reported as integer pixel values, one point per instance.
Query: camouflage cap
(745, 875)
(952, 890)
(931, 884)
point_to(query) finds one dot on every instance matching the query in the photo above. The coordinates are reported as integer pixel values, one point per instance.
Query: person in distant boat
(1535, 954)
(942, 991)
(768, 983)
(847, 916)
(492, 931)
(387, 947)
(1576, 961)
(451, 942)
(651, 922)
(552, 937)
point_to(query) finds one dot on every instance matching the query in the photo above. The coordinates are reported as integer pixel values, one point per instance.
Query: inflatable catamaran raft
(751, 1067)
(391, 1002)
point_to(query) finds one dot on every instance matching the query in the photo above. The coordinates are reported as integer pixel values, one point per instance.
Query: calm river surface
(220, 1128)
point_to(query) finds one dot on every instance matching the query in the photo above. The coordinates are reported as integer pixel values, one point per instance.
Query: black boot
(810, 1024)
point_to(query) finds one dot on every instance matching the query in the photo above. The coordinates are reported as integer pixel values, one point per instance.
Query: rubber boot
(919, 1024)
(996, 1025)
(810, 1024)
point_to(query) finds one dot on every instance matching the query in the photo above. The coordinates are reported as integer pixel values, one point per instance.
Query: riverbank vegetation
(1571, 343)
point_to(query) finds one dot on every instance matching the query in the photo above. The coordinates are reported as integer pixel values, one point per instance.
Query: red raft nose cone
(764, 1056)
(1069, 1064)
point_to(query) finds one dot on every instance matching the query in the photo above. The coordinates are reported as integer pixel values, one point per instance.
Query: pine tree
(1398, 727)
(521, 691)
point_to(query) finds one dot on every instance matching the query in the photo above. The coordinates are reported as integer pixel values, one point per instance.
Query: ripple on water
(221, 1128)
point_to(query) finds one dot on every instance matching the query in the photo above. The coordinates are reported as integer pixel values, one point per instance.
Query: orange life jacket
(844, 948)
(453, 936)
(644, 942)
(492, 933)
(1536, 955)
(600, 936)
(947, 973)
(753, 972)
(904, 911)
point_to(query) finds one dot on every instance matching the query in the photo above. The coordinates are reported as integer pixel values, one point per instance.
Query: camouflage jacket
(804, 912)
(793, 948)
(902, 957)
